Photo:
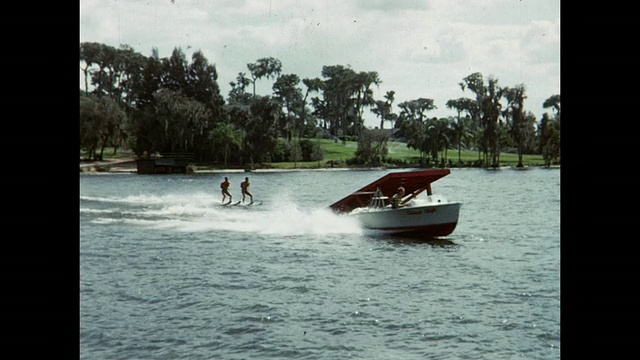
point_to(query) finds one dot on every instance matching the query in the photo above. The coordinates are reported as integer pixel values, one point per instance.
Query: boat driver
(396, 199)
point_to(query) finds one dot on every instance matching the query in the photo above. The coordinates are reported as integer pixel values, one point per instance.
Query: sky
(419, 48)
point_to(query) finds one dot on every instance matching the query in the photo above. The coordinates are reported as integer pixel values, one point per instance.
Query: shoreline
(128, 165)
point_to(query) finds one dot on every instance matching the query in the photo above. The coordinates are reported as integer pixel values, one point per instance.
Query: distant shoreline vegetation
(338, 155)
(154, 105)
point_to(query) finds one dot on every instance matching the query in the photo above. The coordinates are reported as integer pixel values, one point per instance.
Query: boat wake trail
(200, 213)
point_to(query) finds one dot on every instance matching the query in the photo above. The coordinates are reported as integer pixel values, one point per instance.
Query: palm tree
(364, 95)
(228, 137)
(383, 108)
(461, 133)
(437, 138)
(460, 129)
(390, 97)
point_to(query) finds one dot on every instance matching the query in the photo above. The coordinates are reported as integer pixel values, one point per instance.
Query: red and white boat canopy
(414, 182)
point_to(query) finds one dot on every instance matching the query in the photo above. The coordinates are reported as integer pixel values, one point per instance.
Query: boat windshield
(378, 200)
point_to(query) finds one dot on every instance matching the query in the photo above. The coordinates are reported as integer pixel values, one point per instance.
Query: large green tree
(549, 135)
(174, 71)
(90, 54)
(488, 109)
(290, 96)
(549, 131)
(202, 85)
(238, 93)
(363, 96)
(309, 123)
(102, 122)
(553, 102)
(261, 132)
(268, 67)
(183, 120)
(521, 124)
(343, 96)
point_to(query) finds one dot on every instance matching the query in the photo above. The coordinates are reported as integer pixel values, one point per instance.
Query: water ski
(250, 204)
(229, 203)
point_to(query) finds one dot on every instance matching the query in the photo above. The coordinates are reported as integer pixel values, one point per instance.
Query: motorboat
(429, 216)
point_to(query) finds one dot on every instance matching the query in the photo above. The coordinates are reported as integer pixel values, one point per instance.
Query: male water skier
(245, 190)
(225, 190)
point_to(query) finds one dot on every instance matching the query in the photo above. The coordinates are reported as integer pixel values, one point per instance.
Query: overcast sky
(420, 48)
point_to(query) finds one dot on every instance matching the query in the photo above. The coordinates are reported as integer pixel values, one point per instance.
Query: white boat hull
(431, 220)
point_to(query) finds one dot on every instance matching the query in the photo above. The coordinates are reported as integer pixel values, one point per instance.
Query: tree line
(172, 105)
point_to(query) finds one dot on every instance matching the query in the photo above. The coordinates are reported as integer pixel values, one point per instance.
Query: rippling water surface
(166, 272)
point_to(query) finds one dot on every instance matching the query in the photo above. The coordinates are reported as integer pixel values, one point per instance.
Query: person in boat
(396, 199)
(245, 190)
(225, 189)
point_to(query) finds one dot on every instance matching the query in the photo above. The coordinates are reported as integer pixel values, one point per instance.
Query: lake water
(166, 272)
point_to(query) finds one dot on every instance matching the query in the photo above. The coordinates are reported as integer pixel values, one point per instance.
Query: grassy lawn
(109, 155)
(338, 153)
